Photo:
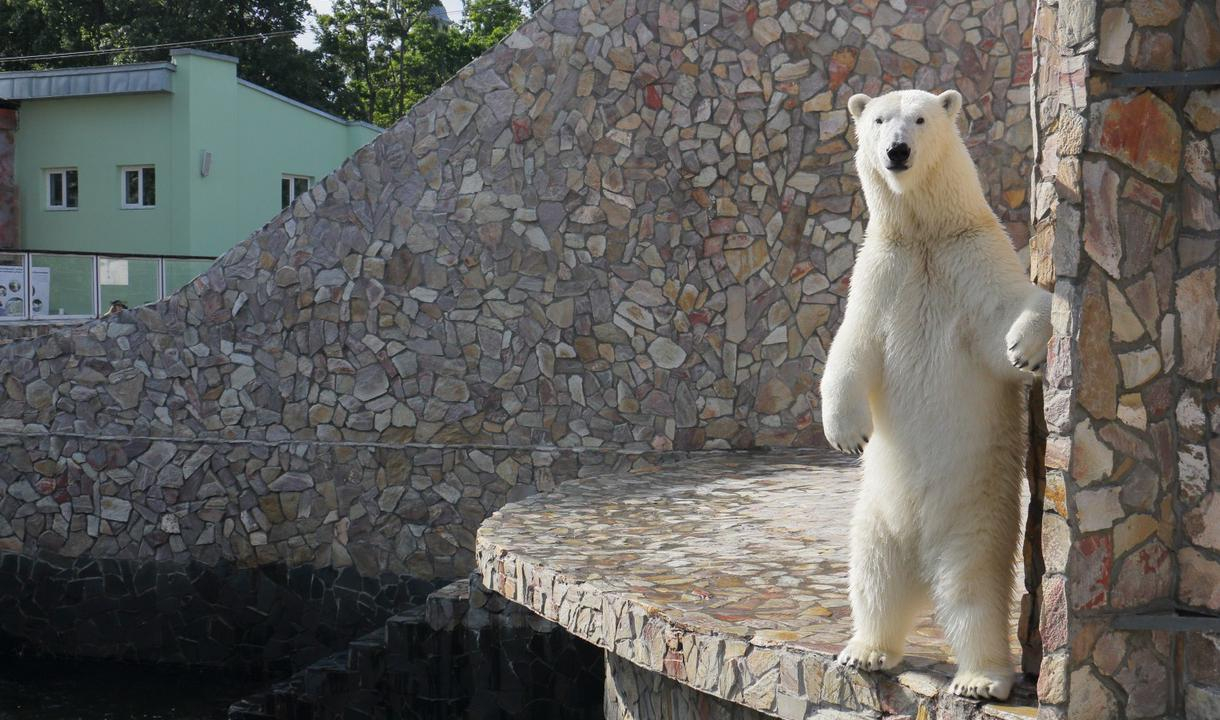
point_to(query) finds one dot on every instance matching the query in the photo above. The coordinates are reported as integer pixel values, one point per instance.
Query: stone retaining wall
(629, 227)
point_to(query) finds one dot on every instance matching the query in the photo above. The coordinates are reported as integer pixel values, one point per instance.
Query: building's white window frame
(139, 187)
(62, 172)
(292, 179)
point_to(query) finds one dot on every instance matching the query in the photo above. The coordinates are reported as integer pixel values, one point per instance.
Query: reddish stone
(751, 15)
(1141, 229)
(1144, 678)
(800, 270)
(1202, 523)
(652, 97)
(1102, 237)
(1023, 69)
(1152, 50)
(522, 129)
(1166, 450)
(1109, 651)
(1199, 211)
(1090, 567)
(1203, 657)
(1201, 42)
(1155, 13)
(1143, 298)
(1098, 384)
(1125, 441)
(1141, 131)
(674, 664)
(1200, 317)
(1144, 577)
(1199, 586)
(1054, 623)
(842, 62)
(1143, 193)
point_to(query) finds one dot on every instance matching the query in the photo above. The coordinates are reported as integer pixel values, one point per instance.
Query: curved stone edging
(584, 557)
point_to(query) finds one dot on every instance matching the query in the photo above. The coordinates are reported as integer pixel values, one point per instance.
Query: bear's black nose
(898, 154)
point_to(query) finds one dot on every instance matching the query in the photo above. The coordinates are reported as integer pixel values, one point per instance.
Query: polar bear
(926, 378)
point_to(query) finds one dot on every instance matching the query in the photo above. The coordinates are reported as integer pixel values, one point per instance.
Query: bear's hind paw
(984, 685)
(862, 656)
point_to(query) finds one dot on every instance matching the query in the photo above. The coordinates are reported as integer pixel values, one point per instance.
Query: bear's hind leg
(885, 593)
(973, 593)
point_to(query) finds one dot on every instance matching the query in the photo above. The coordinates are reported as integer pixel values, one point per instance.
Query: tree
(36, 27)
(394, 53)
(490, 21)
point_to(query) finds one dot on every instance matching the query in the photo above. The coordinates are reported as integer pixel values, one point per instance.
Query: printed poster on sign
(12, 291)
(40, 290)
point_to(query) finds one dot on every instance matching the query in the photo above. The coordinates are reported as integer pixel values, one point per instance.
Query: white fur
(943, 330)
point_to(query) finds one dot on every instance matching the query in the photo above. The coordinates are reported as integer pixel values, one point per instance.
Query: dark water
(49, 689)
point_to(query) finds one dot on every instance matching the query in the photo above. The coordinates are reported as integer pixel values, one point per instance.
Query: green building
(144, 173)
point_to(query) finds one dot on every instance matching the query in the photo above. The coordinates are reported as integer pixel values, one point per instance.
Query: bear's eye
(919, 121)
(879, 121)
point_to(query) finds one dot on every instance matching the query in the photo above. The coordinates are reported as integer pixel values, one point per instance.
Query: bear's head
(903, 134)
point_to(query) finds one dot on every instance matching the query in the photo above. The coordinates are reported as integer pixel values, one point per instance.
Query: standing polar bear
(926, 378)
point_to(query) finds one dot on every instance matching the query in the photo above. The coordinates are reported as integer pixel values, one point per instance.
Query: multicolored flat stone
(728, 574)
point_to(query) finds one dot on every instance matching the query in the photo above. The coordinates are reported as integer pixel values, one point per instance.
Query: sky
(308, 41)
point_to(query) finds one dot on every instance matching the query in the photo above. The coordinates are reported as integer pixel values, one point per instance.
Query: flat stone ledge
(727, 574)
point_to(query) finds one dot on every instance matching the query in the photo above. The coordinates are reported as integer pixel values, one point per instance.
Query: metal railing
(55, 285)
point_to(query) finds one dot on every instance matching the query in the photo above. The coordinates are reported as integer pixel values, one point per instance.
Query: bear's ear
(856, 104)
(951, 101)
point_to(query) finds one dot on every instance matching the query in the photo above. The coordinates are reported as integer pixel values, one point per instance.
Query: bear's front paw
(860, 655)
(848, 432)
(1027, 342)
(982, 685)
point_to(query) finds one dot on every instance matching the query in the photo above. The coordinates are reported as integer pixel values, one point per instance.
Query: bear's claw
(867, 658)
(1027, 344)
(986, 685)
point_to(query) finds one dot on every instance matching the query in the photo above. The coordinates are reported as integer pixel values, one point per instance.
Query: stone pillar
(9, 217)
(1126, 225)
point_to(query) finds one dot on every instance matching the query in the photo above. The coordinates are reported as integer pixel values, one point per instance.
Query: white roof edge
(88, 70)
(203, 53)
(308, 108)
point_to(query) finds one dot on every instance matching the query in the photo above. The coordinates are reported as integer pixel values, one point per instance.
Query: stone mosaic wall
(633, 693)
(1126, 227)
(12, 332)
(627, 228)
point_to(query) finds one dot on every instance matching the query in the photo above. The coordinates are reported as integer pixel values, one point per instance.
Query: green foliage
(394, 53)
(375, 58)
(36, 27)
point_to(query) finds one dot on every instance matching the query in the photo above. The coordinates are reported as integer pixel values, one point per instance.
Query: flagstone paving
(728, 574)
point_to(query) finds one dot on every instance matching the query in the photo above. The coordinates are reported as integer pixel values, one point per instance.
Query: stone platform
(726, 574)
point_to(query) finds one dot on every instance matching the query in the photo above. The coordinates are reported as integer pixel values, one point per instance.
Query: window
(61, 189)
(139, 186)
(129, 281)
(177, 273)
(290, 187)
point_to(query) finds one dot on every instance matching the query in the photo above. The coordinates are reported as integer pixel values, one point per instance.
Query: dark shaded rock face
(265, 620)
